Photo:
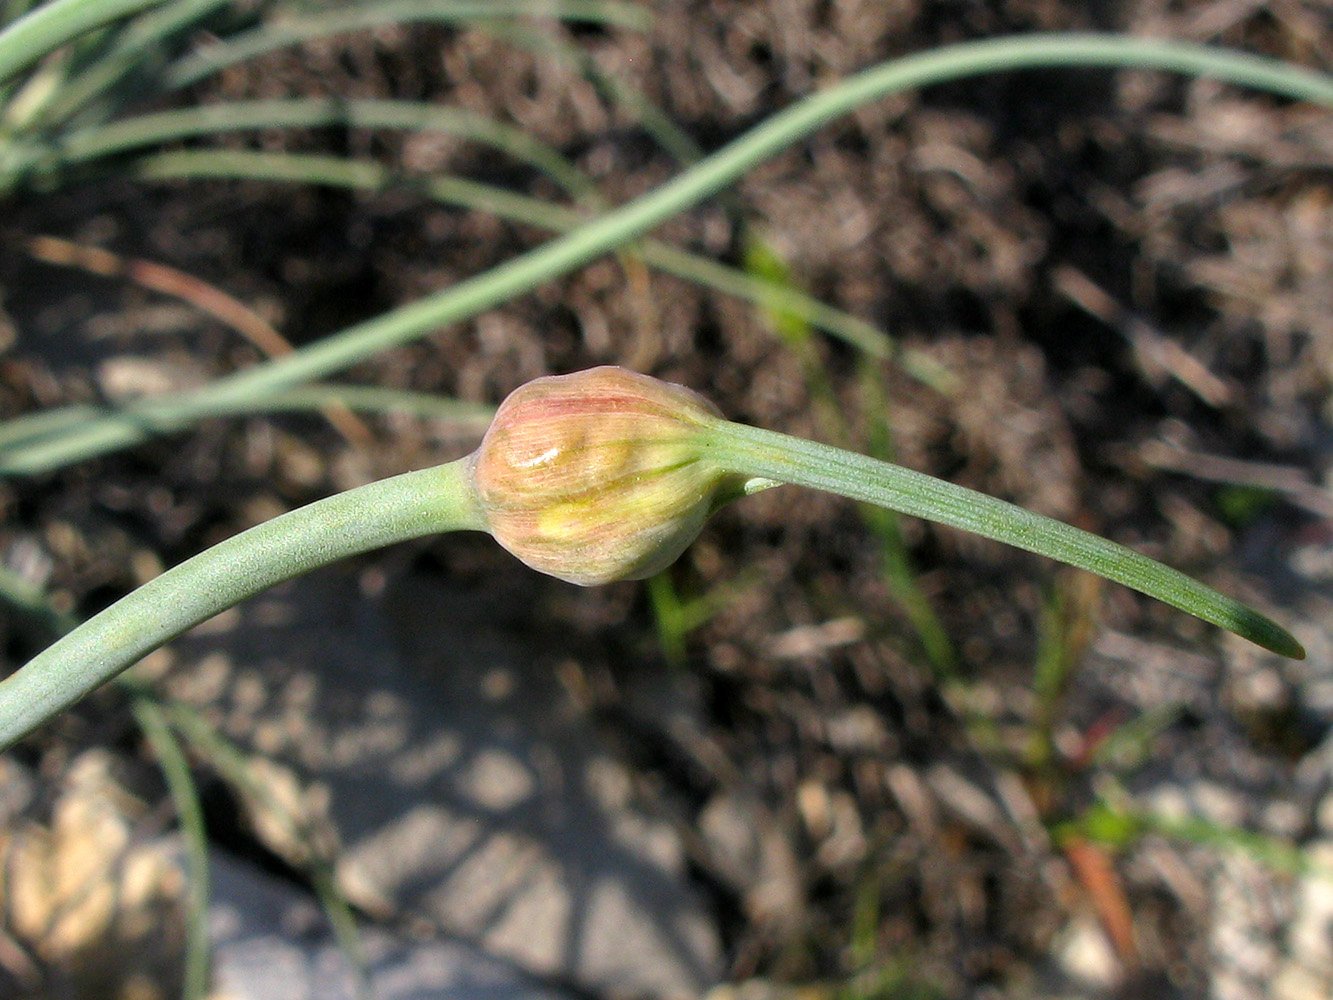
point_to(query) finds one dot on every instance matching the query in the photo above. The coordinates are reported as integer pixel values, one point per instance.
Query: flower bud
(600, 475)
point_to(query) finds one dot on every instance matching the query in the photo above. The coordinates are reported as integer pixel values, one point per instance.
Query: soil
(1127, 277)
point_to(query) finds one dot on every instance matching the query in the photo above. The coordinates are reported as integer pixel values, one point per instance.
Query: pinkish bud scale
(600, 475)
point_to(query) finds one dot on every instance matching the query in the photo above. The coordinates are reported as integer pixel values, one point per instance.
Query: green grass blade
(711, 175)
(44, 441)
(208, 120)
(185, 795)
(899, 571)
(33, 602)
(366, 399)
(623, 225)
(141, 47)
(336, 171)
(233, 765)
(46, 424)
(283, 33)
(661, 129)
(45, 29)
(1119, 824)
(25, 99)
(41, 442)
(762, 453)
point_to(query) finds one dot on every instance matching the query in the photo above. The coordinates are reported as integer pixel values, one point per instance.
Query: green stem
(752, 451)
(139, 48)
(50, 439)
(194, 833)
(616, 228)
(357, 17)
(410, 505)
(51, 25)
(160, 127)
(364, 175)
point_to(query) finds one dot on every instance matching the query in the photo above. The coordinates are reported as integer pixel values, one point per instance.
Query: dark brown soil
(1127, 275)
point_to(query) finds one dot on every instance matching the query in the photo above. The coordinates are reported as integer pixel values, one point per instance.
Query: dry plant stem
(410, 505)
(195, 291)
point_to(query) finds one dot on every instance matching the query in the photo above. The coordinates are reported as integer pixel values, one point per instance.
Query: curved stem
(139, 45)
(338, 171)
(49, 439)
(410, 505)
(194, 834)
(768, 455)
(357, 17)
(616, 228)
(51, 25)
(160, 127)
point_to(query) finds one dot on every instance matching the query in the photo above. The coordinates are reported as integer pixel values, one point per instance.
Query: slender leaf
(140, 47)
(283, 33)
(778, 457)
(623, 225)
(46, 28)
(211, 119)
(185, 795)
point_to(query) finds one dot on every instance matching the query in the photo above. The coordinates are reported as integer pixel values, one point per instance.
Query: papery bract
(600, 475)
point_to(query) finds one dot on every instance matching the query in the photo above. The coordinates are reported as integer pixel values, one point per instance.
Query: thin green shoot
(762, 262)
(185, 796)
(233, 765)
(48, 440)
(32, 602)
(899, 571)
(901, 575)
(1062, 638)
(24, 102)
(1275, 852)
(369, 176)
(1122, 824)
(669, 618)
(676, 617)
(629, 222)
(44, 29)
(134, 133)
(285, 32)
(38, 442)
(140, 47)
(1131, 744)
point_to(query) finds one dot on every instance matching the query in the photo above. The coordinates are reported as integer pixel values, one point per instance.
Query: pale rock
(467, 791)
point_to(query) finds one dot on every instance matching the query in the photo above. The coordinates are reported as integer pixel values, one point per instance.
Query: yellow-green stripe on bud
(600, 475)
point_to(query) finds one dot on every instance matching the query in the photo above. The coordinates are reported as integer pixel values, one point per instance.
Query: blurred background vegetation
(898, 761)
